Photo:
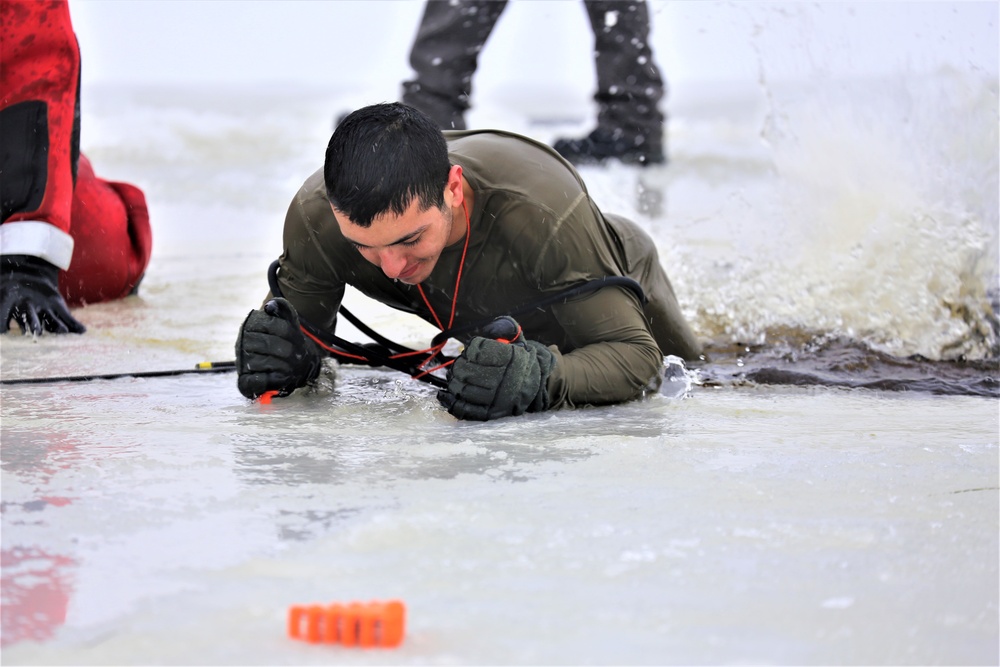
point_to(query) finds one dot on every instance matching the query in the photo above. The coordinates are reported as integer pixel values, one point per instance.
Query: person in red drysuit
(67, 238)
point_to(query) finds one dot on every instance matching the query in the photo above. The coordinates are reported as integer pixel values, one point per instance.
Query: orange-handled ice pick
(265, 398)
(353, 624)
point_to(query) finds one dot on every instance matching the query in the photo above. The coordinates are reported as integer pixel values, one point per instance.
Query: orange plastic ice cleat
(353, 624)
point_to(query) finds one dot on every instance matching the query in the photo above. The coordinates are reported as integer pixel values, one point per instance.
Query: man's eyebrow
(408, 237)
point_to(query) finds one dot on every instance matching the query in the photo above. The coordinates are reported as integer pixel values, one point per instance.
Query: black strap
(374, 355)
(371, 333)
(382, 357)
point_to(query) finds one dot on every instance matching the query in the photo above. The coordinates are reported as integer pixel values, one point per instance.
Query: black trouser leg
(629, 84)
(445, 54)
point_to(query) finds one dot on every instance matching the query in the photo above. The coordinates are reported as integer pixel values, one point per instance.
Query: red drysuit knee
(112, 240)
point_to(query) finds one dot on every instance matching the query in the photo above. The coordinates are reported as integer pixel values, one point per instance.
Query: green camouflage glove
(272, 353)
(499, 376)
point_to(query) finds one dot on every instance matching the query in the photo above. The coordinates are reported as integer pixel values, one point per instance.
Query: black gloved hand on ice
(499, 376)
(29, 294)
(272, 353)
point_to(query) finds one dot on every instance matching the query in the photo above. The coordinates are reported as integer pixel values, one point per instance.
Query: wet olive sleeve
(614, 357)
(308, 277)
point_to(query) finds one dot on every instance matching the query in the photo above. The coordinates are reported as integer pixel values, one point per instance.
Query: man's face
(406, 247)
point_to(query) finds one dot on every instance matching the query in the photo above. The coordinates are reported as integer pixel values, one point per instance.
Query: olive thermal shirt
(534, 231)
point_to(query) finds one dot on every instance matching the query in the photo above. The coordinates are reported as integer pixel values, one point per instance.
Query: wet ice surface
(171, 521)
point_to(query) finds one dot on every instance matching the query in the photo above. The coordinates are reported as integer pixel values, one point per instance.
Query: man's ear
(454, 194)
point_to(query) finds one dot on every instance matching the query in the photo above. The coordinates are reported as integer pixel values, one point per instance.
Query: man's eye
(411, 242)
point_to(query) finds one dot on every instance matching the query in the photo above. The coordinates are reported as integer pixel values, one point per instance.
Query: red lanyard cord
(433, 351)
(369, 356)
(329, 348)
(429, 353)
(458, 278)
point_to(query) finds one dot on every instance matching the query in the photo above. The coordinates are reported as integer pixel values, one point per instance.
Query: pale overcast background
(364, 43)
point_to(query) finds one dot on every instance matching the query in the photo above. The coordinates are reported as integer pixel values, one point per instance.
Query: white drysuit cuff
(39, 239)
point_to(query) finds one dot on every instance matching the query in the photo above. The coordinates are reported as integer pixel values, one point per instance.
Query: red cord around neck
(430, 352)
(458, 278)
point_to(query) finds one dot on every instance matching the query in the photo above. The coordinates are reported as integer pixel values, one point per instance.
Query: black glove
(499, 376)
(272, 353)
(29, 293)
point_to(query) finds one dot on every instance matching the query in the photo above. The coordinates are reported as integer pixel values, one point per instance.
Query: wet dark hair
(380, 158)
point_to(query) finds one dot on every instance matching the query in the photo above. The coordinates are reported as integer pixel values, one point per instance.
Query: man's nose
(392, 262)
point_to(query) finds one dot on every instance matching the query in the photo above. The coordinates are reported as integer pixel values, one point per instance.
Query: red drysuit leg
(54, 207)
(39, 87)
(112, 240)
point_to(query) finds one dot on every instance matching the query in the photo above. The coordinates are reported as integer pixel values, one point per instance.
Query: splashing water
(867, 215)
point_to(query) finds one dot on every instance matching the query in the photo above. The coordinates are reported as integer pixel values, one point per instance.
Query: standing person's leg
(39, 148)
(445, 54)
(56, 213)
(39, 126)
(629, 89)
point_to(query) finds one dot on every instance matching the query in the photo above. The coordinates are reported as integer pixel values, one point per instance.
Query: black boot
(447, 112)
(444, 56)
(602, 144)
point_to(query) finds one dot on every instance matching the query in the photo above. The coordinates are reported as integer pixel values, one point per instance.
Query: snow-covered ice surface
(834, 229)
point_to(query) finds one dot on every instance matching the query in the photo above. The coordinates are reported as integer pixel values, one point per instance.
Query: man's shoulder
(515, 164)
(310, 203)
(486, 134)
(495, 140)
(314, 187)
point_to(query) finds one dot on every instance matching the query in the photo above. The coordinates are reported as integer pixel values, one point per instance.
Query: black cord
(209, 367)
(383, 357)
(373, 355)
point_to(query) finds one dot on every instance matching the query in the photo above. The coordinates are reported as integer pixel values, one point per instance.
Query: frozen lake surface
(170, 521)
